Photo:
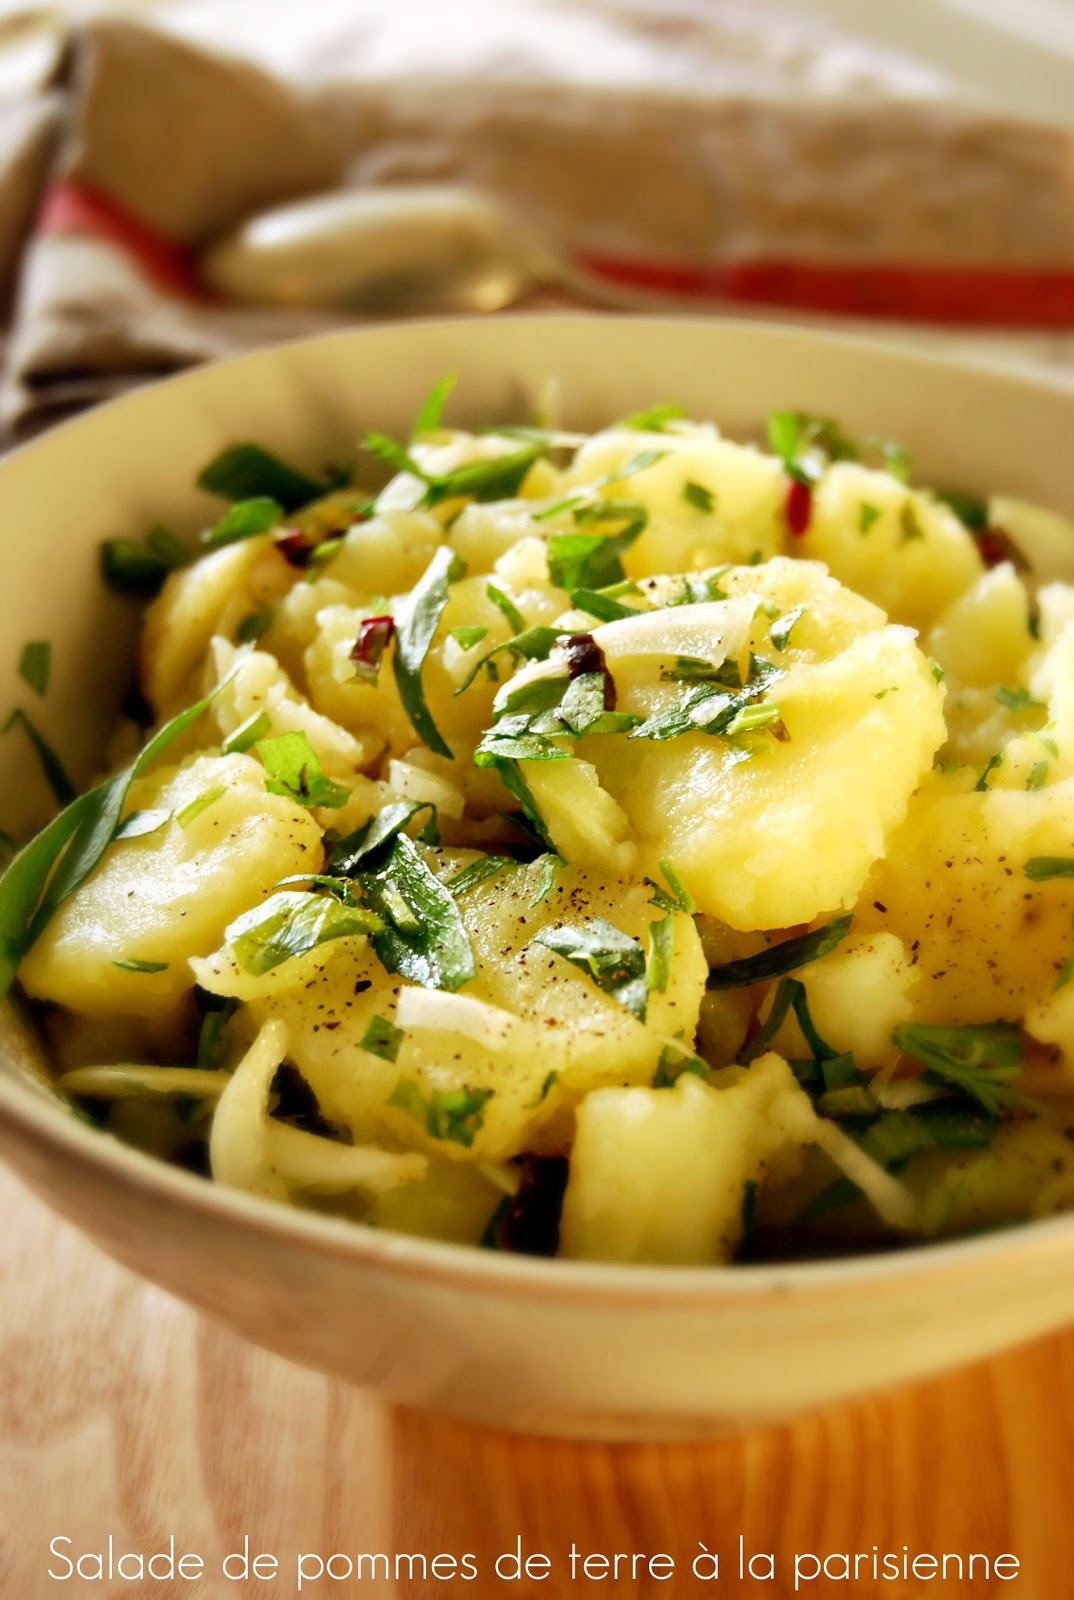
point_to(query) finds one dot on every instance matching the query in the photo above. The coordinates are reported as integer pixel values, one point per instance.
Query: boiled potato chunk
(660, 1174)
(169, 895)
(986, 939)
(186, 614)
(737, 516)
(791, 831)
(528, 1013)
(1028, 1171)
(913, 557)
(983, 637)
(857, 996)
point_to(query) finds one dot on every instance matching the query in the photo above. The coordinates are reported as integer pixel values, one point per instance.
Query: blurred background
(180, 179)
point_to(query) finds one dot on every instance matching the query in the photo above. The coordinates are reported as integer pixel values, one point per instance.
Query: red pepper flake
(584, 655)
(295, 547)
(996, 546)
(374, 637)
(798, 508)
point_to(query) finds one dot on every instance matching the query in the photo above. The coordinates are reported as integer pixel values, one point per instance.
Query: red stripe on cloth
(1015, 297)
(81, 208)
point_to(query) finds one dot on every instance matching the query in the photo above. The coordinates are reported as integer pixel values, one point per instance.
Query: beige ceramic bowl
(545, 1346)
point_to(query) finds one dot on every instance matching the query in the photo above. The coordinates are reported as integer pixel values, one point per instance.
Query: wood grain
(122, 1412)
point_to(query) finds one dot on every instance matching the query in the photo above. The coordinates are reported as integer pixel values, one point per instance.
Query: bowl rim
(46, 1120)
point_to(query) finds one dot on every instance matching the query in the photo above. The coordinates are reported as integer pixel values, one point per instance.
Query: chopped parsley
(613, 959)
(133, 965)
(516, 621)
(674, 1061)
(249, 472)
(781, 630)
(293, 769)
(415, 624)
(696, 495)
(247, 733)
(787, 956)
(867, 515)
(454, 1114)
(51, 765)
(129, 566)
(290, 923)
(201, 802)
(980, 1060)
(35, 664)
(243, 520)
(1043, 868)
(466, 638)
(1016, 699)
(382, 1038)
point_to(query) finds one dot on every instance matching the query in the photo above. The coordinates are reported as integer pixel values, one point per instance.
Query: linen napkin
(705, 150)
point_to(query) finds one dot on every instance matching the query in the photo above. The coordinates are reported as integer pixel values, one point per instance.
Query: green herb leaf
(531, 823)
(602, 606)
(549, 863)
(35, 664)
(535, 644)
(1038, 775)
(127, 565)
(910, 523)
(142, 966)
(981, 1060)
(431, 410)
(466, 638)
(212, 1043)
(455, 1114)
(51, 867)
(613, 959)
(423, 937)
(480, 871)
(248, 472)
(244, 520)
(1016, 699)
(415, 624)
(781, 958)
(382, 1038)
(140, 823)
(51, 765)
(695, 494)
(654, 419)
(674, 1061)
(546, 1089)
(661, 945)
(293, 770)
(515, 619)
(970, 510)
(995, 761)
(289, 924)
(253, 626)
(781, 630)
(201, 802)
(1042, 868)
(867, 515)
(594, 560)
(247, 733)
(360, 847)
(679, 899)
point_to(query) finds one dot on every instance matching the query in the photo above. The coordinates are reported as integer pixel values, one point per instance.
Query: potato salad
(637, 846)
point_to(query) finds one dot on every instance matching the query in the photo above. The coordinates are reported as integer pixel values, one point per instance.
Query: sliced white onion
(710, 631)
(125, 1080)
(307, 1161)
(238, 1142)
(459, 1013)
(890, 1199)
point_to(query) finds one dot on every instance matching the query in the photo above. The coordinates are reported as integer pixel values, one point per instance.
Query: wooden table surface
(122, 1412)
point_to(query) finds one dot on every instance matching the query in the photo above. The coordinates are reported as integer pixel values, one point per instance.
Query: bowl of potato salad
(540, 859)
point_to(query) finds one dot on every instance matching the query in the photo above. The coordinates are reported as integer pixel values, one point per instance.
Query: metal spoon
(393, 251)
